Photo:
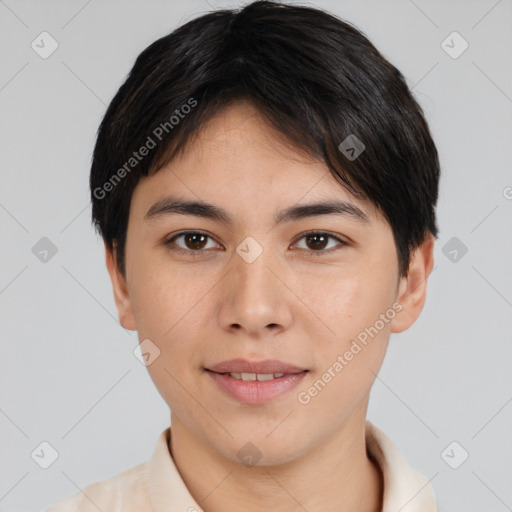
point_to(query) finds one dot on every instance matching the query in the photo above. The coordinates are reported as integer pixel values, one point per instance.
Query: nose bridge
(255, 298)
(253, 280)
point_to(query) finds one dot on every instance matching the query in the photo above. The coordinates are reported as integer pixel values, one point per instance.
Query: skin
(291, 303)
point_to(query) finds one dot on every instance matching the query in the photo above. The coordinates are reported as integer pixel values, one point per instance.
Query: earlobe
(413, 287)
(121, 292)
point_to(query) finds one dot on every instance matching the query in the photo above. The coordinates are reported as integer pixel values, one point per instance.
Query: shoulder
(125, 491)
(405, 488)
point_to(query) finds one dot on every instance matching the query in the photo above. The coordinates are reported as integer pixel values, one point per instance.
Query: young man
(265, 185)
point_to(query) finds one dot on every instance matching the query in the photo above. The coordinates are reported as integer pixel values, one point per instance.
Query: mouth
(254, 383)
(260, 377)
(249, 370)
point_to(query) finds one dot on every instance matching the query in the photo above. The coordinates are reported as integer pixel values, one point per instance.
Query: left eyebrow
(333, 207)
(172, 205)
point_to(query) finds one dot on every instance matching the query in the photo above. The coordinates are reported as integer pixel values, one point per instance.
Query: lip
(245, 366)
(257, 392)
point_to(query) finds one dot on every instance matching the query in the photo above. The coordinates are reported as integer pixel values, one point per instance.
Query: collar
(405, 489)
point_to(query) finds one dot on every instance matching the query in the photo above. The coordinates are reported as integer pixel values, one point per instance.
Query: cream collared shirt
(156, 485)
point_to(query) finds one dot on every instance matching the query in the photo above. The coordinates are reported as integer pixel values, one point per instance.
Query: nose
(254, 298)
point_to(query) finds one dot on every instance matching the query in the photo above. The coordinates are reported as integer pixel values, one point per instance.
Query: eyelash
(190, 252)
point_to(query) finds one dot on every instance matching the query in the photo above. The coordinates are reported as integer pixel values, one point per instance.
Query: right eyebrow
(172, 205)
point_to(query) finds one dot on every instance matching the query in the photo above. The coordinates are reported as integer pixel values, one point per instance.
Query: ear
(121, 292)
(412, 290)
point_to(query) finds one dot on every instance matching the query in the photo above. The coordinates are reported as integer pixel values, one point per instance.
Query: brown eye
(190, 242)
(194, 241)
(319, 242)
(316, 242)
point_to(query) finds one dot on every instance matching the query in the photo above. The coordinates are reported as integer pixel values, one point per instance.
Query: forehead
(238, 156)
(241, 130)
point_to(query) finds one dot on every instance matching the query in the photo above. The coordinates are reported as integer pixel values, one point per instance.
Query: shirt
(156, 485)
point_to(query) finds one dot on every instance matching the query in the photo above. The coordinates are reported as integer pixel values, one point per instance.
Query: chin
(260, 448)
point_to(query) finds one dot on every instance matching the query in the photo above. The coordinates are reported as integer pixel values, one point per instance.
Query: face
(252, 283)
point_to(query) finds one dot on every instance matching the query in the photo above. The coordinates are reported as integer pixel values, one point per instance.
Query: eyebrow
(172, 205)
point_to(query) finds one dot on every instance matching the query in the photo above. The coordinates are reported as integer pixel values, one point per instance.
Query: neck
(336, 476)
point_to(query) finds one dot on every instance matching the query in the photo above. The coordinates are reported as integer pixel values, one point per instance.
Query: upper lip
(245, 366)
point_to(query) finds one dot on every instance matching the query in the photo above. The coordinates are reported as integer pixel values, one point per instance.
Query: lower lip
(256, 392)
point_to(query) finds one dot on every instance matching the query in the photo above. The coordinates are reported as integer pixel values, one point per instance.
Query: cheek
(169, 308)
(356, 311)
(347, 303)
(351, 351)
(162, 295)
(167, 305)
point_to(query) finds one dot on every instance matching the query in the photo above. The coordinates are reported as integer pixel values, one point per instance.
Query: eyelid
(338, 238)
(322, 232)
(342, 243)
(168, 240)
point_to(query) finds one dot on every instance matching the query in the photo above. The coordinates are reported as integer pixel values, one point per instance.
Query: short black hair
(316, 78)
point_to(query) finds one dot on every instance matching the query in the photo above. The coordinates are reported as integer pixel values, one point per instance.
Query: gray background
(68, 373)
